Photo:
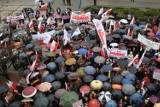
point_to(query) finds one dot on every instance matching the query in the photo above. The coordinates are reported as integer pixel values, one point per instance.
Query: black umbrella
(15, 104)
(122, 62)
(151, 87)
(41, 102)
(132, 69)
(117, 94)
(87, 78)
(115, 36)
(3, 89)
(51, 97)
(117, 79)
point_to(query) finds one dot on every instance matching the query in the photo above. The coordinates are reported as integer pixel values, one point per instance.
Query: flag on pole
(31, 24)
(80, 4)
(129, 32)
(47, 38)
(101, 11)
(32, 67)
(89, 54)
(66, 37)
(12, 85)
(40, 26)
(66, 86)
(54, 46)
(76, 32)
(27, 78)
(141, 59)
(133, 21)
(5, 45)
(134, 60)
(37, 55)
(107, 12)
(44, 7)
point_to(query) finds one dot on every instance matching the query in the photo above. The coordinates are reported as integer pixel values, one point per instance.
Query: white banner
(78, 17)
(101, 32)
(150, 44)
(14, 18)
(117, 53)
(156, 75)
(42, 36)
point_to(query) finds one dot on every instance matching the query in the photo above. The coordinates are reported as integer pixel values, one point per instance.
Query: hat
(29, 91)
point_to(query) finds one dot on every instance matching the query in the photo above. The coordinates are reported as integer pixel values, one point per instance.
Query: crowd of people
(62, 62)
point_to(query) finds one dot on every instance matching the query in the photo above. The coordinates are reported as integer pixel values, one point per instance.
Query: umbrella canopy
(3, 89)
(153, 99)
(94, 103)
(117, 94)
(68, 98)
(42, 66)
(122, 62)
(132, 69)
(70, 61)
(59, 75)
(106, 68)
(128, 89)
(51, 54)
(34, 74)
(41, 102)
(151, 87)
(27, 100)
(117, 79)
(49, 78)
(111, 103)
(114, 44)
(51, 66)
(96, 84)
(106, 95)
(37, 48)
(85, 89)
(150, 34)
(96, 49)
(59, 93)
(59, 59)
(130, 76)
(127, 81)
(81, 71)
(99, 59)
(90, 70)
(115, 36)
(124, 21)
(117, 86)
(51, 97)
(106, 86)
(102, 77)
(87, 78)
(44, 87)
(29, 91)
(64, 17)
(136, 97)
(72, 75)
(56, 85)
(83, 51)
(15, 104)
(28, 46)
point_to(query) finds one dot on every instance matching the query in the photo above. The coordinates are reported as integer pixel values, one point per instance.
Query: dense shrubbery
(141, 13)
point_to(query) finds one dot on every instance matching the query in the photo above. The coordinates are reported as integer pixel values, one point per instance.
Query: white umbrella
(124, 21)
(114, 44)
(106, 95)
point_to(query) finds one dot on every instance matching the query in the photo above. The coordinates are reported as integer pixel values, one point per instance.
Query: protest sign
(14, 18)
(77, 17)
(150, 44)
(42, 36)
(117, 53)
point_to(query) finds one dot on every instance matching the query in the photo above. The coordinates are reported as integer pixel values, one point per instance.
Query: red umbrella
(64, 17)
(94, 103)
(56, 15)
(85, 89)
(29, 91)
(150, 34)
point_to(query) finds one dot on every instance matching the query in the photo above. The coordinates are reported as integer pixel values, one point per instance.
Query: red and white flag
(107, 12)
(32, 67)
(44, 7)
(12, 85)
(101, 11)
(66, 37)
(31, 24)
(27, 78)
(89, 54)
(133, 21)
(141, 59)
(54, 46)
(37, 55)
(47, 38)
(103, 53)
(40, 26)
(134, 60)
(60, 54)
(66, 86)
(5, 45)
(129, 32)
(101, 32)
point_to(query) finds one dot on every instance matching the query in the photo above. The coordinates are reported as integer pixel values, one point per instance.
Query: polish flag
(37, 55)
(32, 67)
(40, 26)
(12, 85)
(54, 46)
(66, 86)
(133, 21)
(108, 12)
(101, 11)
(60, 54)
(129, 32)
(141, 59)
(5, 45)
(27, 78)
(135, 59)
(103, 53)
(31, 24)
(69, 54)
(44, 7)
